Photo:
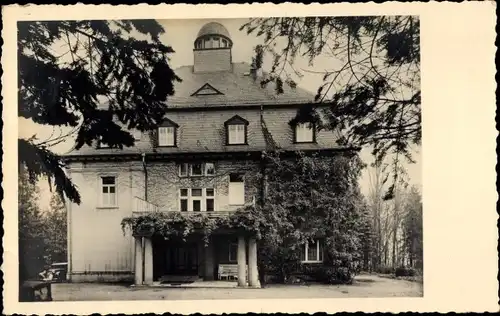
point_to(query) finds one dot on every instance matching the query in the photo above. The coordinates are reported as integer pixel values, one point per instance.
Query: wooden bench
(229, 271)
(32, 291)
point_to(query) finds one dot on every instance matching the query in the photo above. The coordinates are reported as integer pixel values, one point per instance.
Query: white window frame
(196, 198)
(236, 134)
(242, 184)
(319, 254)
(205, 169)
(304, 133)
(208, 197)
(189, 169)
(169, 138)
(203, 198)
(197, 175)
(180, 169)
(108, 204)
(181, 197)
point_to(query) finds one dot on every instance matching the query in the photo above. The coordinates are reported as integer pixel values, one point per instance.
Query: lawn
(363, 286)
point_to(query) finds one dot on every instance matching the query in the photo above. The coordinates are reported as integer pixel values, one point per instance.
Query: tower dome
(213, 35)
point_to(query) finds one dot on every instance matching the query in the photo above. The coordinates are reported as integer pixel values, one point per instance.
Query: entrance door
(182, 259)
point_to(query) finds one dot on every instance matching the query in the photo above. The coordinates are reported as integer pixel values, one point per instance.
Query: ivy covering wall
(304, 198)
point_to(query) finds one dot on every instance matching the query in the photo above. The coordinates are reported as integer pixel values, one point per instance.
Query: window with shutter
(236, 189)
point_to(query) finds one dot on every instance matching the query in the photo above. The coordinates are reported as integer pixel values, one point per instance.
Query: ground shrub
(330, 275)
(385, 270)
(405, 272)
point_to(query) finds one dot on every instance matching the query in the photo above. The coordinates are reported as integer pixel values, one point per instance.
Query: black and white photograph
(231, 158)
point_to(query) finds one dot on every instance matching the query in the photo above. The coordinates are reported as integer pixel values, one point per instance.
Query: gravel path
(364, 286)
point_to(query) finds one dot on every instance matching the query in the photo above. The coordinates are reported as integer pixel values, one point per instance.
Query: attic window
(167, 134)
(207, 89)
(305, 133)
(236, 131)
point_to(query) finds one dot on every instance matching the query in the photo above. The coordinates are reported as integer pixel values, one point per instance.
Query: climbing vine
(306, 198)
(168, 225)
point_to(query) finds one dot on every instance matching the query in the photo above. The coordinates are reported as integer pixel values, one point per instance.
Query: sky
(180, 35)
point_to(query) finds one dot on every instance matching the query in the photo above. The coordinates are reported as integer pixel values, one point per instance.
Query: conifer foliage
(370, 68)
(96, 77)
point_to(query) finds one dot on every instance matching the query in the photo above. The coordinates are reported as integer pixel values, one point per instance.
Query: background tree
(412, 229)
(371, 79)
(31, 229)
(56, 229)
(93, 76)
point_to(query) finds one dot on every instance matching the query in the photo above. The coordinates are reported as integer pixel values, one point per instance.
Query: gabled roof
(168, 123)
(236, 120)
(237, 88)
(206, 89)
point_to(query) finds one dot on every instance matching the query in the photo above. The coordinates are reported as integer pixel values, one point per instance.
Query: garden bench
(228, 271)
(32, 291)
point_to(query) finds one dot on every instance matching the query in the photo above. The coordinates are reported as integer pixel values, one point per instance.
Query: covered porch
(228, 256)
(156, 263)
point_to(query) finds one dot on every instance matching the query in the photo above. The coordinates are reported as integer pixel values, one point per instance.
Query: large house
(219, 122)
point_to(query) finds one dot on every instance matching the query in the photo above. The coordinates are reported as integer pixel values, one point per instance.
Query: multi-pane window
(209, 169)
(184, 199)
(236, 189)
(183, 169)
(108, 191)
(166, 136)
(312, 252)
(210, 200)
(236, 134)
(196, 197)
(211, 42)
(304, 133)
(197, 200)
(196, 169)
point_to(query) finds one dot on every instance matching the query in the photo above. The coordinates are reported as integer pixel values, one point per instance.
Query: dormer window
(167, 134)
(236, 131)
(305, 133)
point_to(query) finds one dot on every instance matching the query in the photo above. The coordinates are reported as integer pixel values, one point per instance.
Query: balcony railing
(143, 207)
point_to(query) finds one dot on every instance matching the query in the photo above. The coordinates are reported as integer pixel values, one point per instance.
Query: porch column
(242, 262)
(253, 272)
(209, 261)
(138, 261)
(148, 261)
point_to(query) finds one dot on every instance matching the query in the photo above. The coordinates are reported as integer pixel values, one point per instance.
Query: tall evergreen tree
(30, 228)
(371, 77)
(412, 229)
(56, 229)
(96, 77)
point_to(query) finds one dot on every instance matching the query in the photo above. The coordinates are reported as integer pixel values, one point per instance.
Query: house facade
(201, 159)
